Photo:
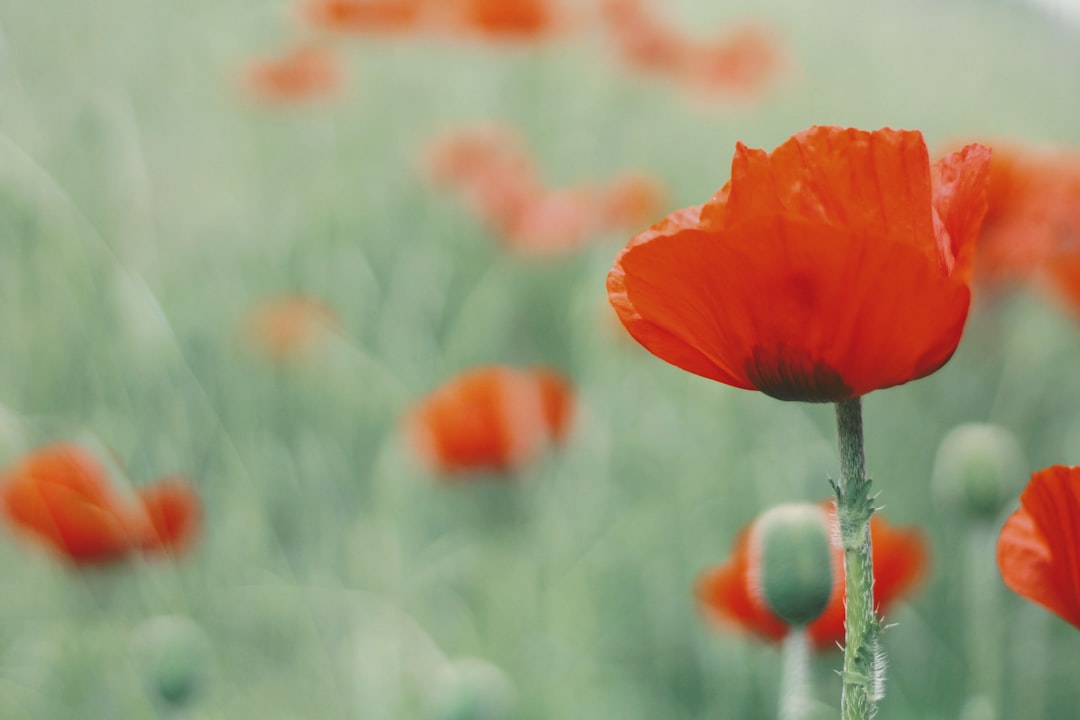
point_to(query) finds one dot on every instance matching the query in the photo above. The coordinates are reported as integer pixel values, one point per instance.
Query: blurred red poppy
(304, 73)
(492, 418)
(517, 19)
(641, 41)
(835, 265)
(1037, 551)
(554, 222)
(741, 63)
(173, 514)
(631, 200)
(60, 496)
(365, 16)
(287, 326)
(727, 593)
(1034, 211)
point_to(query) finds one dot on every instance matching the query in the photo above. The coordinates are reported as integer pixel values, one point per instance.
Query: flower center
(787, 373)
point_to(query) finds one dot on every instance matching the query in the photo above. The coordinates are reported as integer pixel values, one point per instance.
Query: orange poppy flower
(641, 41)
(489, 165)
(287, 326)
(553, 222)
(741, 63)
(727, 593)
(492, 418)
(1034, 209)
(173, 513)
(60, 496)
(365, 16)
(835, 265)
(1037, 551)
(631, 200)
(521, 19)
(302, 74)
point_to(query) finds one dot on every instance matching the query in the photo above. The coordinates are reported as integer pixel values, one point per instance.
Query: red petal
(960, 183)
(489, 418)
(1039, 548)
(60, 495)
(174, 515)
(724, 593)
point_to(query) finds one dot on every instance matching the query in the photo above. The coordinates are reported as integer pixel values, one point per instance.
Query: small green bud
(472, 689)
(795, 561)
(174, 654)
(979, 468)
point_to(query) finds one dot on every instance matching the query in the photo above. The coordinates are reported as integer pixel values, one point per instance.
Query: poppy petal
(1039, 548)
(173, 512)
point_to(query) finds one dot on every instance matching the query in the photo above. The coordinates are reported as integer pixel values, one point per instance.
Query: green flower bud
(794, 561)
(174, 654)
(979, 468)
(471, 689)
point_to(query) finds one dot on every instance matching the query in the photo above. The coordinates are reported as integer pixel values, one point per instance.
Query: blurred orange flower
(835, 265)
(1037, 550)
(493, 418)
(287, 326)
(728, 593)
(305, 73)
(509, 18)
(742, 63)
(173, 512)
(631, 200)
(60, 496)
(1034, 207)
(490, 167)
(365, 16)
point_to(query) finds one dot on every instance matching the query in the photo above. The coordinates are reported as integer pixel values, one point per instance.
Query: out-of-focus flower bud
(979, 468)
(174, 653)
(794, 561)
(472, 689)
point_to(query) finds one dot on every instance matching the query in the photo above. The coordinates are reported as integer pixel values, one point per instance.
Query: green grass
(145, 206)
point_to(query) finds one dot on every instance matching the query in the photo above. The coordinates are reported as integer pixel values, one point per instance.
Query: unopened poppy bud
(472, 689)
(979, 467)
(174, 653)
(795, 561)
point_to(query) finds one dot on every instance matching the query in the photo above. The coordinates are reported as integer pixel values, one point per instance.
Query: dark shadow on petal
(791, 374)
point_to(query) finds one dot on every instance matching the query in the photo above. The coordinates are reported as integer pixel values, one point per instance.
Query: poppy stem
(863, 673)
(795, 700)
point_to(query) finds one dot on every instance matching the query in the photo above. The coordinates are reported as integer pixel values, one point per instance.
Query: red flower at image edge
(1038, 551)
(60, 496)
(492, 418)
(727, 593)
(835, 265)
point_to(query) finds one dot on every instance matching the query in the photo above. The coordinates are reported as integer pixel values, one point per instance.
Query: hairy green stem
(863, 674)
(795, 700)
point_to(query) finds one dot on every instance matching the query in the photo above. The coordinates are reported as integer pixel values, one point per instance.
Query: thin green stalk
(795, 701)
(863, 674)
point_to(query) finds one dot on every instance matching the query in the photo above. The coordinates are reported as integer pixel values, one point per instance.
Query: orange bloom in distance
(1037, 552)
(835, 265)
(174, 515)
(304, 73)
(60, 496)
(493, 418)
(1033, 213)
(365, 16)
(728, 593)
(505, 19)
(286, 326)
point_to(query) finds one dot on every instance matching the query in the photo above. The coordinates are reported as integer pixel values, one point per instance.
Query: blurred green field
(146, 205)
